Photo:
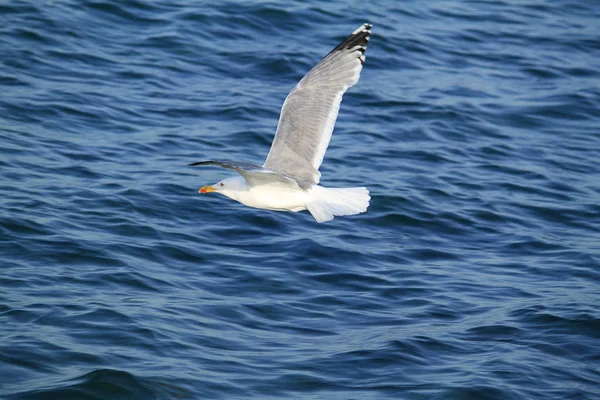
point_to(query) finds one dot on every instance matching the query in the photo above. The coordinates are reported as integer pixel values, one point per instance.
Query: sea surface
(475, 273)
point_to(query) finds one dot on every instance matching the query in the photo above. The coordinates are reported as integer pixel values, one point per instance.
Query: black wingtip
(201, 163)
(360, 37)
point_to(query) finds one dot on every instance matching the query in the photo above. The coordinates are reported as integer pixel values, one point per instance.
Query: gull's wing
(255, 175)
(310, 110)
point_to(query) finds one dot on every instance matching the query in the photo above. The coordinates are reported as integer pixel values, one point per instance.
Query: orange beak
(207, 189)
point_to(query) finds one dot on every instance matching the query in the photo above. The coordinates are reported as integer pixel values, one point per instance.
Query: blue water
(474, 274)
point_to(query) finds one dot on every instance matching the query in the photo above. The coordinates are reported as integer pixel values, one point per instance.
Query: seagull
(288, 180)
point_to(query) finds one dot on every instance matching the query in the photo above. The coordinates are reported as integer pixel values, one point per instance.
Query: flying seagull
(288, 180)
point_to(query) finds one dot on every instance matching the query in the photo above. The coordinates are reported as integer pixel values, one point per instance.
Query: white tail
(327, 202)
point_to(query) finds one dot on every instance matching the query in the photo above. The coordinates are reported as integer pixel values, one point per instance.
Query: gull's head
(226, 186)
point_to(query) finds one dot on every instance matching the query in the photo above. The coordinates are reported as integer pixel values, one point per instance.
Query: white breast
(272, 197)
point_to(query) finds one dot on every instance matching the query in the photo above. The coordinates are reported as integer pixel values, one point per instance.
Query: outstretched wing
(310, 110)
(255, 175)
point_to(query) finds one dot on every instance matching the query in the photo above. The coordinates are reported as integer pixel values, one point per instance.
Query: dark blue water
(474, 274)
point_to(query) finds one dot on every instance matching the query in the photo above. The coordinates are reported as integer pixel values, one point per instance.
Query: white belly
(275, 197)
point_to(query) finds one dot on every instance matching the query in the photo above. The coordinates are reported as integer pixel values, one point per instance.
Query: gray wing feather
(309, 112)
(254, 174)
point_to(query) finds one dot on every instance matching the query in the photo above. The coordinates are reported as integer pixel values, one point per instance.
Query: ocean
(474, 274)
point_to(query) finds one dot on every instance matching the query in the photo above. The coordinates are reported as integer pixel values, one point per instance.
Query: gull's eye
(222, 184)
